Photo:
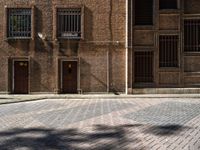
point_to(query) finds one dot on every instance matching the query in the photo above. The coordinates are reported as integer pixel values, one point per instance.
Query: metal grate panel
(69, 22)
(19, 22)
(144, 67)
(192, 35)
(168, 51)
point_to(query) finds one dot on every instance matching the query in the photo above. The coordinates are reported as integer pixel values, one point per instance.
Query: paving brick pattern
(101, 124)
(169, 113)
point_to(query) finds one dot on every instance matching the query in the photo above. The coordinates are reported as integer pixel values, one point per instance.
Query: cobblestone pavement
(101, 124)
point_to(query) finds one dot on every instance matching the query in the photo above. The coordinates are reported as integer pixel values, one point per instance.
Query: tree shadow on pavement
(101, 137)
(166, 130)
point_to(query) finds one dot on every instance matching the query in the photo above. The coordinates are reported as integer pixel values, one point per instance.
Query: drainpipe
(109, 49)
(126, 46)
(108, 72)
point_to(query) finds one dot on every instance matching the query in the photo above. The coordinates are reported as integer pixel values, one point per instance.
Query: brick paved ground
(101, 124)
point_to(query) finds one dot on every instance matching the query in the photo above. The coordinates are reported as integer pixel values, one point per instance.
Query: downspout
(108, 72)
(126, 46)
(109, 49)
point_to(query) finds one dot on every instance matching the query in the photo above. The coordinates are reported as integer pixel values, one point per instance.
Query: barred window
(144, 67)
(192, 35)
(19, 22)
(168, 51)
(69, 23)
(168, 4)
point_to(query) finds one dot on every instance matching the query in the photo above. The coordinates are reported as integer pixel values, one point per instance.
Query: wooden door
(69, 77)
(21, 71)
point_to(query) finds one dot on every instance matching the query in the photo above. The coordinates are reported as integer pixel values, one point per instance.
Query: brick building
(71, 46)
(62, 46)
(164, 50)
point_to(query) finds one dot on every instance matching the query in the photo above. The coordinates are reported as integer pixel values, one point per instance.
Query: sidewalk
(97, 123)
(6, 99)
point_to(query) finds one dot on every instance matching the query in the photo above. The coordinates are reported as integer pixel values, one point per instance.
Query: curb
(29, 98)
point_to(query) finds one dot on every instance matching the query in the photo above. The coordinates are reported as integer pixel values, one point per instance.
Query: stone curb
(9, 99)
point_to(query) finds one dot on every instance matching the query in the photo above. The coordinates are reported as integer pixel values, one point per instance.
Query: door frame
(60, 72)
(13, 60)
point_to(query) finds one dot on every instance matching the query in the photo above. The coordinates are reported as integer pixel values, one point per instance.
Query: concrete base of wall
(134, 91)
(166, 91)
(4, 92)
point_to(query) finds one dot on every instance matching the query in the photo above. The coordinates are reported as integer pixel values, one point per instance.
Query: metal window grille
(192, 35)
(143, 12)
(19, 22)
(144, 67)
(69, 22)
(168, 4)
(168, 51)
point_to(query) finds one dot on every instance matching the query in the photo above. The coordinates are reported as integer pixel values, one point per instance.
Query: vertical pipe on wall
(126, 63)
(109, 58)
(108, 72)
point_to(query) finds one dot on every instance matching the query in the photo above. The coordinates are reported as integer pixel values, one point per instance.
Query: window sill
(169, 11)
(69, 38)
(169, 69)
(18, 38)
(192, 53)
(143, 84)
(144, 27)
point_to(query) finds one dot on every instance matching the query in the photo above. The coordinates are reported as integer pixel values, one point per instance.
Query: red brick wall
(103, 24)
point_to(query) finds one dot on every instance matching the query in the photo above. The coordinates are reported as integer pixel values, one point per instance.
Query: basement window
(19, 23)
(168, 4)
(69, 23)
(168, 51)
(192, 35)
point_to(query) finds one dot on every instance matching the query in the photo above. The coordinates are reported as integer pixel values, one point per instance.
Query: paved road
(101, 124)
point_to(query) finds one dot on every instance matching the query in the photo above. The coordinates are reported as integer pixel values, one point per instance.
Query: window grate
(168, 51)
(168, 4)
(19, 22)
(69, 22)
(192, 35)
(144, 67)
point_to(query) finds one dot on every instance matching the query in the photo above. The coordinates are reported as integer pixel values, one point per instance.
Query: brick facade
(165, 22)
(100, 56)
(101, 53)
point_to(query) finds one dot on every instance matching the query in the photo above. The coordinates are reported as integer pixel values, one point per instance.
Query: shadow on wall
(88, 24)
(102, 137)
(69, 47)
(35, 76)
(86, 76)
(85, 70)
(24, 46)
(21, 45)
(42, 45)
(39, 45)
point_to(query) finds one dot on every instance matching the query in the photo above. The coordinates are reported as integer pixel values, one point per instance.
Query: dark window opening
(69, 22)
(168, 4)
(19, 22)
(168, 51)
(144, 67)
(144, 12)
(192, 35)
